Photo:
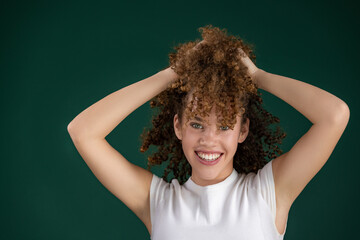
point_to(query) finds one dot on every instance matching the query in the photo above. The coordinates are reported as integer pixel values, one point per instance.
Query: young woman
(211, 126)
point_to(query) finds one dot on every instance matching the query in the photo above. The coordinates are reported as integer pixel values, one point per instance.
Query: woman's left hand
(252, 69)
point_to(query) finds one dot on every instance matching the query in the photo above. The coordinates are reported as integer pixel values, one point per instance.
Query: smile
(208, 157)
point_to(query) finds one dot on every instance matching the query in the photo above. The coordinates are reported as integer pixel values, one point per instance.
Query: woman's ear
(177, 127)
(244, 131)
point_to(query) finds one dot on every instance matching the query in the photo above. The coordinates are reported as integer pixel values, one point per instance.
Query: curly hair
(212, 71)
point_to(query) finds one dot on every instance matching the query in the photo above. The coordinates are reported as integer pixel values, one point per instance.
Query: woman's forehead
(208, 117)
(206, 101)
(214, 112)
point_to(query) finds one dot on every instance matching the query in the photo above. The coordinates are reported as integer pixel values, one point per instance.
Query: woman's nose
(209, 135)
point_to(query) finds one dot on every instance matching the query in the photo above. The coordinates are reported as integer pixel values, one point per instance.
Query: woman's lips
(209, 152)
(209, 163)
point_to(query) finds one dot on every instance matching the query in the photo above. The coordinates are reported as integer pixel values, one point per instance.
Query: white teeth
(208, 157)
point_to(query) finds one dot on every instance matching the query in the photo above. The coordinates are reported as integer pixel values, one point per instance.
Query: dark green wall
(59, 57)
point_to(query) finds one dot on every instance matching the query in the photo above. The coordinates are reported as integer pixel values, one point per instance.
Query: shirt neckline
(190, 184)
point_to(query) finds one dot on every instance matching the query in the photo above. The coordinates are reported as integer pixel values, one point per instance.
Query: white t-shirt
(242, 206)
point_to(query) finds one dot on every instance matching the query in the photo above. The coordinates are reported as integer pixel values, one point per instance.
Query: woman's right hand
(170, 69)
(171, 72)
(197, 45)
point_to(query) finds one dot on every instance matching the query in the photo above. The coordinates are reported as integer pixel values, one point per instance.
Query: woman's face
(200, 139)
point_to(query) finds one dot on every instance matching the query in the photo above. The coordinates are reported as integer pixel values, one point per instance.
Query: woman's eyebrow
(198, 119)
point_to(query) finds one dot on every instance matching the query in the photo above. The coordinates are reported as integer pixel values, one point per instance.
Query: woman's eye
(198, 126)
(195, 125)
(224, 128)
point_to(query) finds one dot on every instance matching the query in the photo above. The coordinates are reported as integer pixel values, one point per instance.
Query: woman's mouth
(208, 159)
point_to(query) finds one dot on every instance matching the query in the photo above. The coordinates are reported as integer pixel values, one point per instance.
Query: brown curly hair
(213, 68)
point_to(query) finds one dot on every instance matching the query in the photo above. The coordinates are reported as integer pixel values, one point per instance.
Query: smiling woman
(207, 140)
(228, 181)
(212, 80)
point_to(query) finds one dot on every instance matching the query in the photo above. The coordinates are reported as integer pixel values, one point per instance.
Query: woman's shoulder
(159, 183)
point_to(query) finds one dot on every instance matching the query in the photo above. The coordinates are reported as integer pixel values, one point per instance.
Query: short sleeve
(263, 182)
(158, 189)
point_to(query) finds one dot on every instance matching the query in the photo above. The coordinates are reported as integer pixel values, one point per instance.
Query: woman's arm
(98, 120)
(294, 169)
(314, 103)
(127, 181)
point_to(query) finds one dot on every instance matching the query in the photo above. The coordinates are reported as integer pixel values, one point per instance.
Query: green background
(59, 57)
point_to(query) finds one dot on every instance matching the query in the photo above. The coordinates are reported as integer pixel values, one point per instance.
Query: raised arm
(329, 114)
(98, 120)
(127, 181)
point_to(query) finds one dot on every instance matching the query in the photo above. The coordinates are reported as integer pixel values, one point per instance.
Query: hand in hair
(252, 68)
(195, 48)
